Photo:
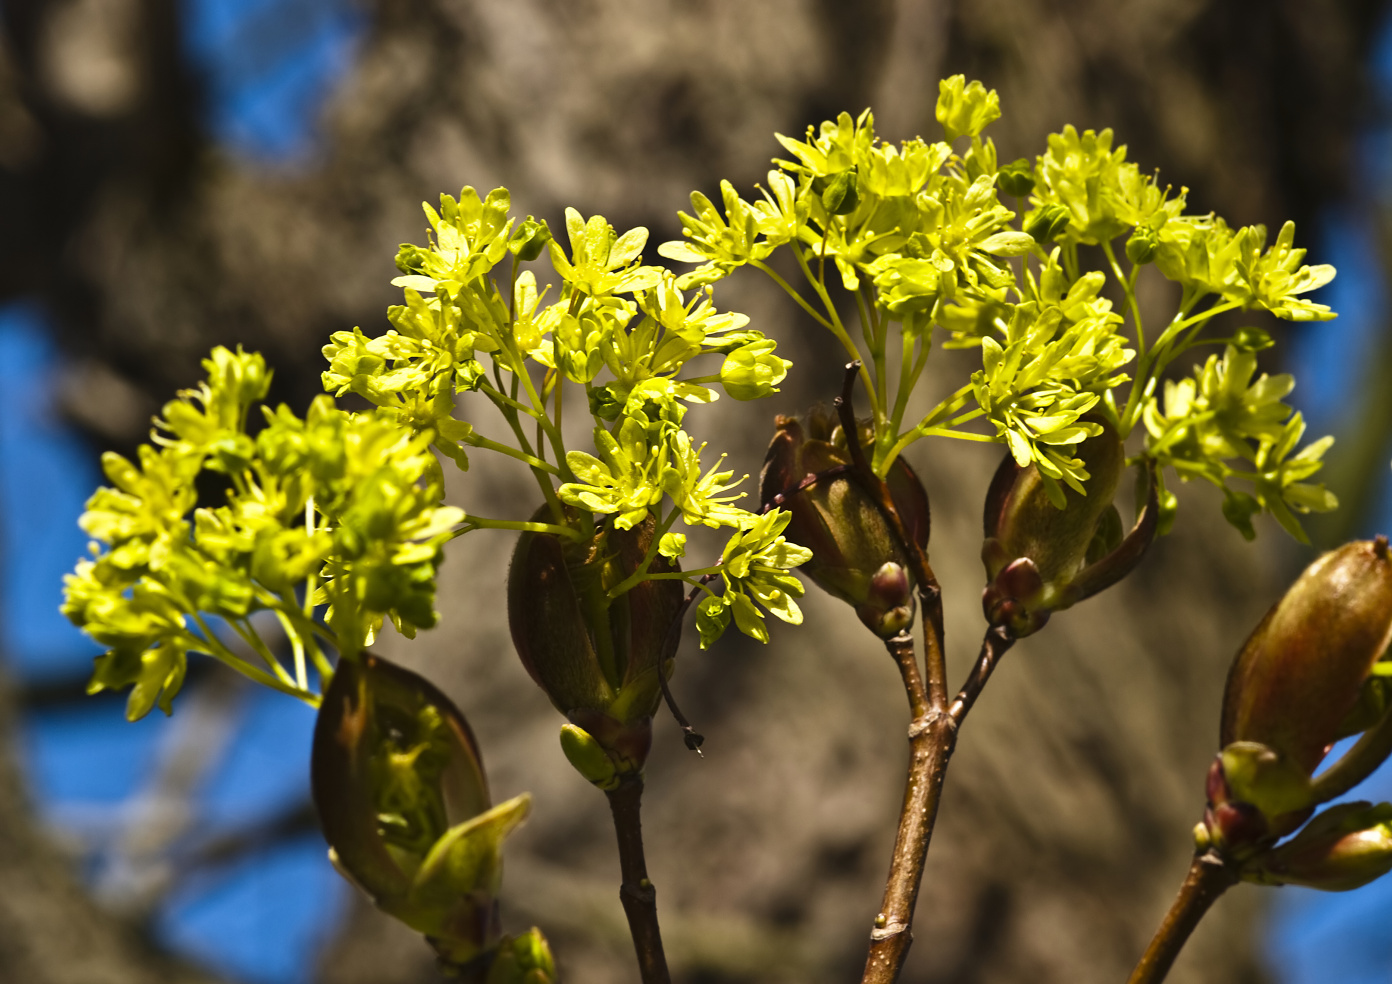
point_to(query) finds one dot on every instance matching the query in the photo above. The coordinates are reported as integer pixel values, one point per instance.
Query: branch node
(885, 932)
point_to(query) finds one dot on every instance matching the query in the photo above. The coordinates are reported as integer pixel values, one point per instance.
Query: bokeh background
(181, 173)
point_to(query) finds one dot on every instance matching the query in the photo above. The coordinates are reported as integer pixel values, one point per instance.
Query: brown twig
(933, 728)
(993, 646)
(637, 894)
(1209, 877)
(932, 737)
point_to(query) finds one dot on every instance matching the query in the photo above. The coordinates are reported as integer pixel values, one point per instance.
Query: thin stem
(481, 523)
(994, 645)
(509, 407)
(503, 400)
(477, 440)
(1209, 877)
(793, 293)
(249, 636)
(932, 738)
(837, 328)
(210, 643)
(637, 894)
(1128, 284)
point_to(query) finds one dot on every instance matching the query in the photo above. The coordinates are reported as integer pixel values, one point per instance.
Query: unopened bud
(1300, 674)
(1035, 552)
(840, 194)
(589, 757)
(888, 608)
(529, 239)
(1047, 223)
(1016, 178)
(1345, 847)
(752, 371)
(1141, 247)
(524, 959)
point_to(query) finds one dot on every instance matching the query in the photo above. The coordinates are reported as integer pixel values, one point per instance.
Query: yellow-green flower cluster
(920, 237)
(335, 509)
(1221, 426)
(618, 330)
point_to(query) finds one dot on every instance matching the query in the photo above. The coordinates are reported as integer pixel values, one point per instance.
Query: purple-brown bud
(1300, 673)
(596, 658)
(855, 554)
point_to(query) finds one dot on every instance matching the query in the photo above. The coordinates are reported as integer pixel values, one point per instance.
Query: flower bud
(1301, 672)
(1034, 551)
(529, 239)
(402, 798)
(1016, 178)
(839, 192)
(752, 371)
(1345, 847)
(855, 554)
(597, 659)
(1141, 247)
(1047, 223)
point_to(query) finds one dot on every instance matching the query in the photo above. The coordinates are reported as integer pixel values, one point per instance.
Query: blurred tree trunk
(51, 932)
(1066, 821)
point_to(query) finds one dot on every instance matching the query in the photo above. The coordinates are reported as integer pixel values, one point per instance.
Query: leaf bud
(855, 554)
(1016, 178)
(403, 802)
(524, 959)
(1047, 223)
(596, 658)
(589, 757)
(1302, 670)
(1034, 551)
(1233, 824)
(1253, 774)
(1345, 847)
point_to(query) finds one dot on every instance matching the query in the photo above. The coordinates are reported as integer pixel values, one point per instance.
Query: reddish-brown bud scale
(1039, 557)
(1027, 524)
(1300, 672)
(596, 658)
(855, 553)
